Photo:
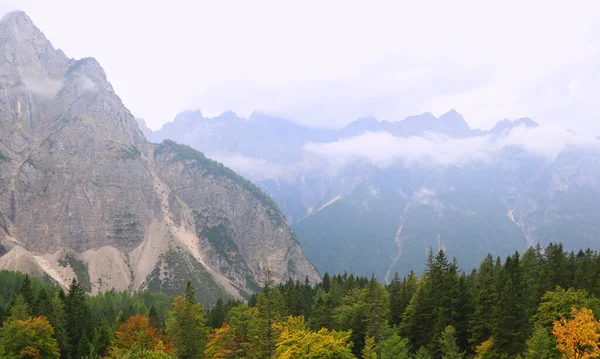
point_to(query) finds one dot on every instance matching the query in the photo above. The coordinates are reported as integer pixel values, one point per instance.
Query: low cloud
(43, 88)
(385, 150)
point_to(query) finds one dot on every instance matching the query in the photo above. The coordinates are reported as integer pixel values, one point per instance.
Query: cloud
(387, 59)
(257, 169)
(44, 88)
(385, 150)
(86, 84)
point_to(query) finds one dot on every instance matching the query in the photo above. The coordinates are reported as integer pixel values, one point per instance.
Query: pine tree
(186, 325)
(58, 320)
(217, 315)
(377, 310)
(78, 320)
(484, 319)
(511, 321)
(19, 310)
(395, 347)
(326, 282)
(43, 303)
(27, 292)
(368, 351)
(422, 353)
(448, 347)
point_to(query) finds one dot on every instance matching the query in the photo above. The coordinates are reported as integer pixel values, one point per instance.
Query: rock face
(82, 189)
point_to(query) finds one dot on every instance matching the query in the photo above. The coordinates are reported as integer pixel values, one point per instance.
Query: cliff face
(83, 194)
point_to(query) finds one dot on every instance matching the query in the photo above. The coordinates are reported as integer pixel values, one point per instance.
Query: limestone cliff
(84, 194)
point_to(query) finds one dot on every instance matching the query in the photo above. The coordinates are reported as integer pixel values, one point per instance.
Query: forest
(541, 304)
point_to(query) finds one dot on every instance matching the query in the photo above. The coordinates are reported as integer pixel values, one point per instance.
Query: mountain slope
(83, 194)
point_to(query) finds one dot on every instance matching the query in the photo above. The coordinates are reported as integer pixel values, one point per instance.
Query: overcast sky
(326, 63)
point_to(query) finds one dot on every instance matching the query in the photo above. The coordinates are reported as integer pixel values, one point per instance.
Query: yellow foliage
(484, 350)
(296, 341)
(578, 338)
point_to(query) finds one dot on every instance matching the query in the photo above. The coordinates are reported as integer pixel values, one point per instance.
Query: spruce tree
(78, 320)
(186, 325)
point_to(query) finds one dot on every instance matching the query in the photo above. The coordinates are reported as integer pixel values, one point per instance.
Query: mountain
(84, 195)
(375, 196)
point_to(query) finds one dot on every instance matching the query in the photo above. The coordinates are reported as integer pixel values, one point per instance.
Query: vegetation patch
(186, 153)
(131, 153)
(80, 269)
(219, 237)
(172, 271)
(3, 158)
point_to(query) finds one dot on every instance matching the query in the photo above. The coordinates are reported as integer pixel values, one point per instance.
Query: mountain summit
(84, 195)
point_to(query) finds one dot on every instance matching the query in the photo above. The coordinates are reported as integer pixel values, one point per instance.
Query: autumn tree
(31, 338)
(296, 341)
(239, 337)
(578, 338)
(485, 350)
(136, 338)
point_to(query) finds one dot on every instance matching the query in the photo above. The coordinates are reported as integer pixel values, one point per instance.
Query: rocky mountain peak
(84, 195)
(507, 125)
(452, 123)
(26, 50)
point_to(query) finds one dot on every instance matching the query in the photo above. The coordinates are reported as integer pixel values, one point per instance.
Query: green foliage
(130, 153)
(78, 320)
(369, 351)
(186, 326)
(80, 269)
(501, 310)
(31, 338)
(173, 270)
(394, 347)
(541, 345)
(214, 168)
(449, 348)
(422, 353)
(19, 310)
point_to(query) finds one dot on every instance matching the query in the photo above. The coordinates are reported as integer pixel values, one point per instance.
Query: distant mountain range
(375, 196)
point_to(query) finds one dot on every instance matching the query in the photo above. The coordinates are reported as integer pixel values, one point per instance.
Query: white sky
(326, 63)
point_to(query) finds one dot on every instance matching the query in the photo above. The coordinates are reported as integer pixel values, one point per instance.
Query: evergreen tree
(486, 300)
(541, 345)
(394, 347)
(377, 310)
(19, 310)
(326, 282)
(369, 351)
(510, 330)
(43, 304)
(27, 292)
(217, 315)
(58, 320)
(448, 347)
(422, 353)
(78, 320)
(186, 326)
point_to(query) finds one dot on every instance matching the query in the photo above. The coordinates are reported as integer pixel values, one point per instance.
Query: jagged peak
(453, 116)
(16, 16)
(18, 26)
(507, 125)
(20, 37)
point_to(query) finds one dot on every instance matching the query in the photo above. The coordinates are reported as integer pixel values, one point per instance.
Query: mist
(384, 150)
